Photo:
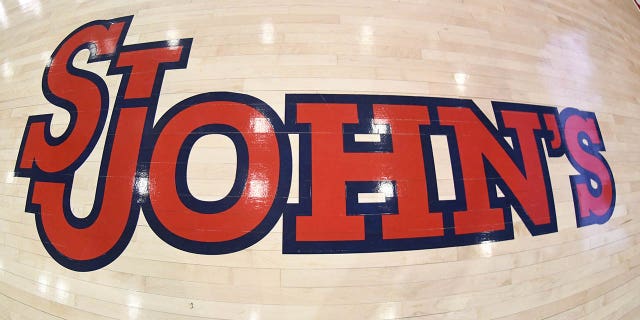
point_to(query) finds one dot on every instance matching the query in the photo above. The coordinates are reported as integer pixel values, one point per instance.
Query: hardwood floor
(562, 54)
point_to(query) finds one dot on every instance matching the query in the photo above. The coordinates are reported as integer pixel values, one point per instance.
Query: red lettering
(83, 94)
(113, 205)
(593, 189)
(94, 241)
(145, 165)
(332, 168)
(145, 63)
(479, 147)
(200, 230)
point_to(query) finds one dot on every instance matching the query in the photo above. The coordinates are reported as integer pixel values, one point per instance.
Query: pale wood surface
(583, 54)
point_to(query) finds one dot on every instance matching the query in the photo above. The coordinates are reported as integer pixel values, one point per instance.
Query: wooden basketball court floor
(564, 54)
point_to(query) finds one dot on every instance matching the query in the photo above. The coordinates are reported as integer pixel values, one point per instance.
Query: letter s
(81, 93)
(594, 193)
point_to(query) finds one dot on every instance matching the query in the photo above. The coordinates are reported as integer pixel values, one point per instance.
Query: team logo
(143, 164)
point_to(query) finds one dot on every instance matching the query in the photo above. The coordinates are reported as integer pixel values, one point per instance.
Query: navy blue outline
(351, 129)
(515, 153)
(373, 222)
(126, 71)
(550, 135)
(67, 105)
(66, 176)
(372, 212)
(585, 175)
(80, 223)
(373, 227)
(282, 192)
(242, 169)
(354, 207)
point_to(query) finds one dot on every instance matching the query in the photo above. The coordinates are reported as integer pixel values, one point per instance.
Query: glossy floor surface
(582, 54)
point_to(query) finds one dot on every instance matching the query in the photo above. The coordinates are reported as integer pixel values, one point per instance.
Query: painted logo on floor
(144, 164)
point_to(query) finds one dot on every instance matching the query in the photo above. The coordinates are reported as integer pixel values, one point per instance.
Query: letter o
(262, 179)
